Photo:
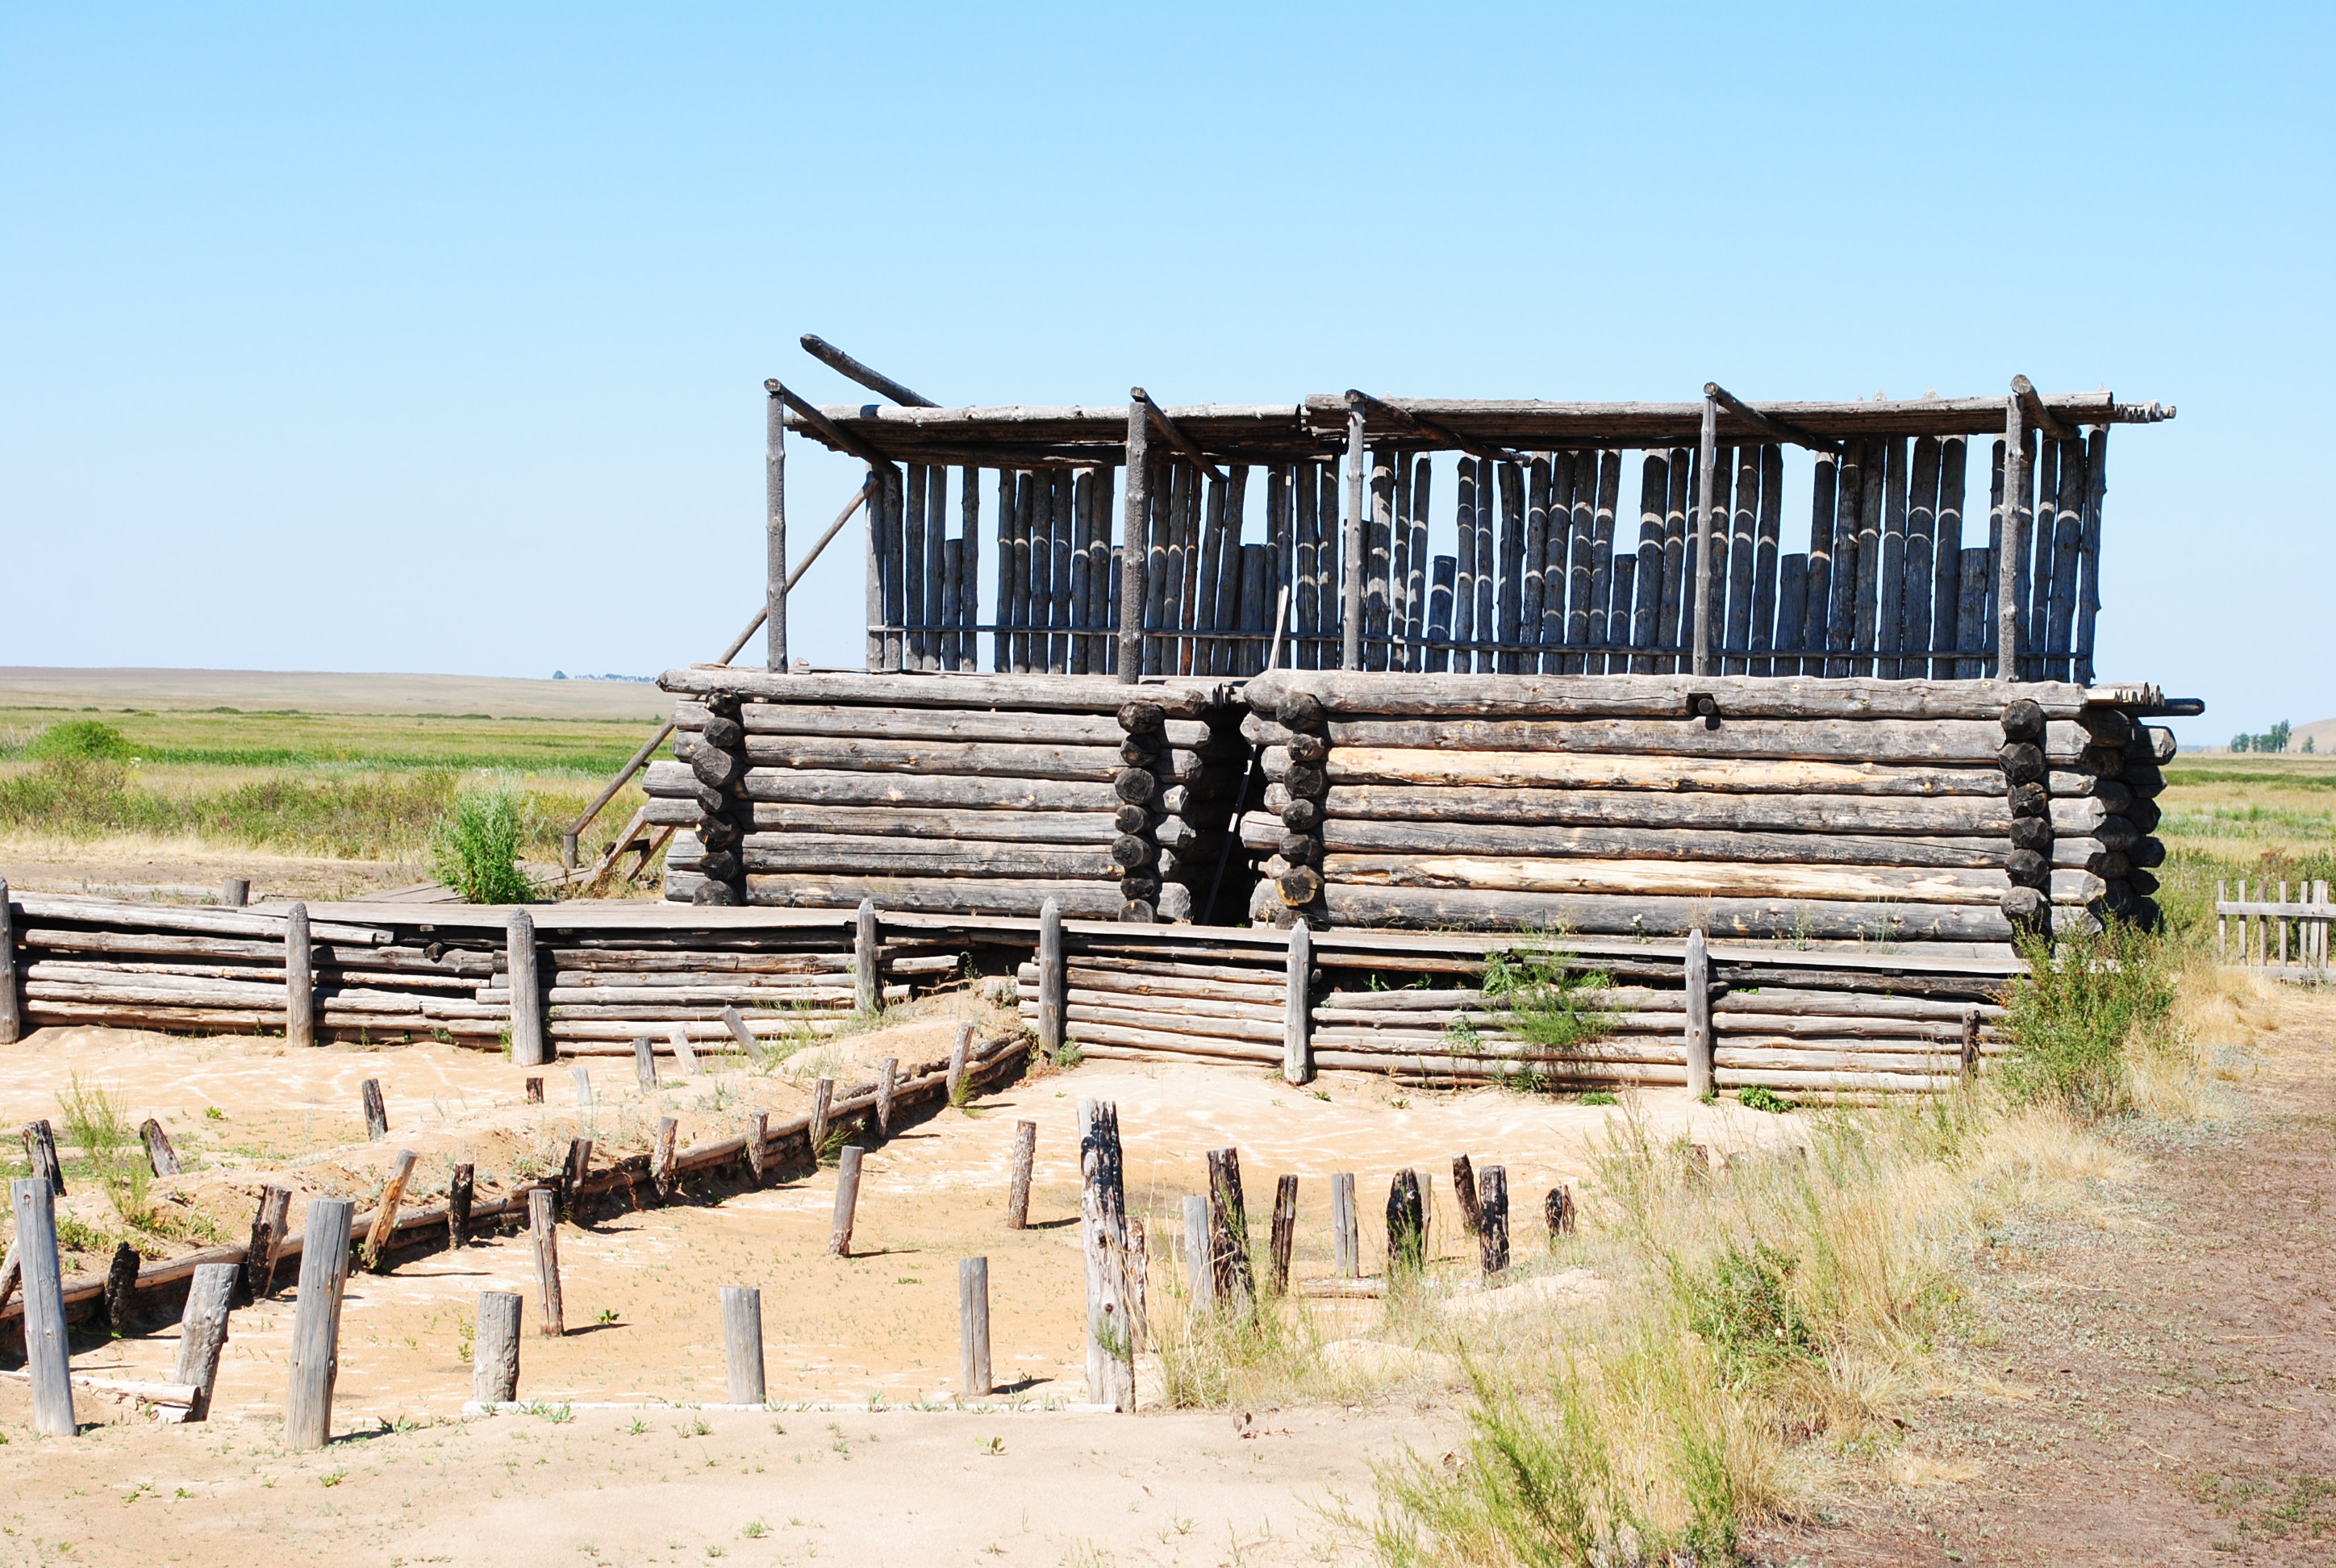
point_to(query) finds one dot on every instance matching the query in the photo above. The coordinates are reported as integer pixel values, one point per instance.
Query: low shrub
(2084, 1005)
(80, 740)
(477, 846)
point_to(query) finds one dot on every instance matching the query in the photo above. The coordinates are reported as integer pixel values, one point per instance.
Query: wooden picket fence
(2275, 934)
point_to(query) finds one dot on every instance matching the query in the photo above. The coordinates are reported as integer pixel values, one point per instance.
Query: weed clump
(2086, 1003)
(80, 740)
(110, 1149)
(476, 848)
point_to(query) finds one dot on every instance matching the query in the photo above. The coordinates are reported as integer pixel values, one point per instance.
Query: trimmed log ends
(716, 755)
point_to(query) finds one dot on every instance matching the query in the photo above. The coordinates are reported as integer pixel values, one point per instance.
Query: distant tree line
(2272, 739)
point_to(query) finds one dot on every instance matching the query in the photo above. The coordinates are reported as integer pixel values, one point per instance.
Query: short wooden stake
(973, 1327)
(235, 892)
(1697, 978)
(544, 1229)
(888, 1075)
(47, 1355)
(202, 1333)
(532, 1090)
(742, 1343)
(316, 1325)
(269, 1221)
(1229, 1227)
(742, 1033)
(1558, 1210)
(847, 1200)
(682, 1051)
(958, 1090)
(12, 973)
(1285, 1231)
(526, 992)
(385, 1213)
(644, 1063)
(300, 980)
(1345, 1241)
(1298, 1011)
(161, 1157)
(1139, 1287)
(823, 1096)
(376, 1114)
(758, 1140)
(1200, 1279)
(1053, 998)
(1103, 1236)
(121, 1290)
(1018, 1185)
(1407, 1225)
(863, 958)
(458, 1190)
(12, 1274)
(1492, 1218)
(1463, 1188)
(661, 1157)
(494, 1351)
(1970, 1041)
(40, 1151)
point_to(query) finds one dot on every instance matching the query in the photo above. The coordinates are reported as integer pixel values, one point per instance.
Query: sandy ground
(312, 691)
(140, 866)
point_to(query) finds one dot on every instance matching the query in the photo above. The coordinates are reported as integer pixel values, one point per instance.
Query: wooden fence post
(737, 1025)
(494, 1351)
(583, 1078)
(41, 1154)
(1558, 1210)
(1103, 1227)
(121, 1289)
(1200, 1278)
(1018, 1185)
(1697, 977)
(742, 1343)
(1463, 1188)
(758, 1138)
(544, 1229)
(531, 1091)
(1285, 1231)
(47, 1353)
(1135, 519)
(645, 1064)
(1493, 1223)
(12, 986)
(864, 938)
(268, 1227)
(161, 1157)
(1407, 1225)
(202, 1333)
(316, 1325)
(1052, 994)
(888, 1075)
(385, 1213)
(847, 1200)
(300, 980)
(1346, 1243)
(571, 1175)
(376, 1114)
(823, 1096)
(1298, 1012)
(235, 892)
(1229, 1227)
(458, 1190)
(958, 1092)
(973, 1327)
(526, 993)
(682, 1052)
(1970, 1041)
(661, 1155)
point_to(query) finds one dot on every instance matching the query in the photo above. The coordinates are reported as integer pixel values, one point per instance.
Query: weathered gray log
(1407, 1225)
(316, 1322)
(1004, 896)
(1297, 1021)
(742, 1343)
(1696, 983)
(528, 1046)
(459, 1189)
(376, 1114)
(385, 1213)
(202, 1333)
(823, 1096)
(1596, 915)
(1200, 1279)
(1228, 1260)
(494, 1349)
(758, 1144)
(836, 721)
(544, 1232)
(46, 1350)
(1052, 980)
(1735, 697)
(161, 1157)
(940, 791)
(1681, 843)
(1492, 1206)
(1880, 742)
(973, 1327)
(866, 943)
(847, 1200)
(12, 1004)
(1345, 1247)
(300, 980)
(1638, 878)
(1527, 770)
(268, 1222)
(235, 892)
(942, 758)
(645, 1064)
(1018, 1185)
(887, 1074)
(1179, 698)
(1974, 815)
(661, 1152)
(1284, 1238)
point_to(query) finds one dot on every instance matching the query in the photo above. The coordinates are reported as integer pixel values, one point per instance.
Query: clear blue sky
(431, 337)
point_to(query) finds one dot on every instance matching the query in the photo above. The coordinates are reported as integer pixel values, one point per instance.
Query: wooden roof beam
(834, 434)
(875, 381)
(2041, 417)
(1777, 429)
(1176, 437)
(1431, 428)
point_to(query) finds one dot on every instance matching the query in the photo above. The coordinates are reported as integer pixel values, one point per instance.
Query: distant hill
(257, 690)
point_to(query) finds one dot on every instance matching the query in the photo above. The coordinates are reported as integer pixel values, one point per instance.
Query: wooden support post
(742, 1343)
(1135, 541)
(682, 1052)
(1492, 1206)
(1053, 995)
(1707, 459)
(317, 1324)
(376, 1113)
(235, 892)
(1297, 1007)
(202, 1334)
(1697, 981)
(12, 982)
(460, 1187)
(527, 1047)
(1018, 1185)
(1354, 559)
(268, 1223)
(871, 992)
(2009, 613)
(571, 1174)
(1407, 1226)
(300, 981)
(1558, 1210)
(775, 548)
(1285, 1231)
(47, 1353)
(823, 1096)
(543, 1230)
(161, 1157)
(1200, 1279)
(758, 1137)
(385, 1213)
(1102, 1231)
(959, 1091)
(1463, 1189)
(41, 1150)
(661, 1154)
(12, 1274)
(1345, 1239)
(121, 1290)
(973, 1327)
(847, 1200)
(1229, 1228)
(645, 1064)
(494, 1349)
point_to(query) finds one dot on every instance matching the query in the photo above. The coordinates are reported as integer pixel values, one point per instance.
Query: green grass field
(2224, 817)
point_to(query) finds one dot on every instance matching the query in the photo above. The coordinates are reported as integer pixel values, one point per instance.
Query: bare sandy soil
(140, 866)
(313, 691)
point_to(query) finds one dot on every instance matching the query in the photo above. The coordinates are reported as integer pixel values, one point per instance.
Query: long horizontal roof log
(1018, 435)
